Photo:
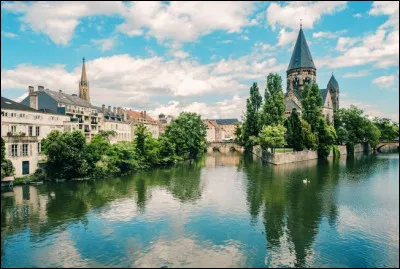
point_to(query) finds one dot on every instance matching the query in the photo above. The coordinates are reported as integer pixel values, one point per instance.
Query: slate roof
(324, 94)
(301, 56)
(290, 104)
(333, 83)
(226, 121)
(137, 115)
(10, 104)
(65, 98)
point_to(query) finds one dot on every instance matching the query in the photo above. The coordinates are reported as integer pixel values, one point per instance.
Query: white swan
(306, 181)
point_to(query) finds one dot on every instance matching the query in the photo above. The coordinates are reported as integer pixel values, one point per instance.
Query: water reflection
(226, 210)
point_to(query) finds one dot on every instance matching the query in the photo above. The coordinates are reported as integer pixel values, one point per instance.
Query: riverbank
(278, 158)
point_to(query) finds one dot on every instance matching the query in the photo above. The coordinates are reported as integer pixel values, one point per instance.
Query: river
(224, 211)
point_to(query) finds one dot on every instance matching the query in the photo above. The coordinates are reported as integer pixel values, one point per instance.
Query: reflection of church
(302, 71)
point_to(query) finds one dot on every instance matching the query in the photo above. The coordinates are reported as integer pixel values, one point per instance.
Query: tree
(389, 130)
(251, 126)
(239, 135)
(7, 168)
(309, 138)
(67, 155)
(372, 134)
(326, 137)
(188, 134)
(312, 105)
(274, 105)
(141, 134)
(343, 135)
(294, 131)
(272, 137)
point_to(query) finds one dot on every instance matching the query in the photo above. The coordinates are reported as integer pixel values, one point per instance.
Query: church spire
(301, 56)
(84, 84)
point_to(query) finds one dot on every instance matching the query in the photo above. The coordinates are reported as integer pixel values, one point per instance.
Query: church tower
(301, 69)
(84, 85)
(333, 88)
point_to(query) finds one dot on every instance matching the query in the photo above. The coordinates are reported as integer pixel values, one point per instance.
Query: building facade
(224, 129)
(211, 131)
(135, 117)
(23, 128)
(115, 120)
(302, 72)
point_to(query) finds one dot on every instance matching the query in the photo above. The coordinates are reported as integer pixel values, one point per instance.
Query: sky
(168, 57)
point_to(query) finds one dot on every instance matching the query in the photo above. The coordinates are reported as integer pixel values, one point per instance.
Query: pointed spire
(83, 76)
(301, 56)
(333, 82)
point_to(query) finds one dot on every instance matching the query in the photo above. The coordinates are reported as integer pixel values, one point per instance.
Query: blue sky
(198, 56)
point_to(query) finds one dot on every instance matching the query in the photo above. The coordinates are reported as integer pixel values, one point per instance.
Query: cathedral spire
(301, 57)
(84, 84)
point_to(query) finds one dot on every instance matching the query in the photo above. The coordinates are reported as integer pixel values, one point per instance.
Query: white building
(211, 131)
(115, 120)
(23, 129)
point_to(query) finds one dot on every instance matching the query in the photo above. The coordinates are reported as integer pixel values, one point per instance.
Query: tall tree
(312, 105)
(274, 106)
(255, 97)
(309, 138)
(251, 126)
(326, 137)
(295, 137)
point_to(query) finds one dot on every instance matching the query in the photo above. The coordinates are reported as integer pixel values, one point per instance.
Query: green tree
(272, 137)
(326, 137)
(343, 135)
(312, 105)
(251, 126)
(372, 134)
(294, 131)
(7, 168)
(309, 138)
(239, 135)
(389, 130)
(274, 105)
(255, 97)
(67, 155)
(141, 134)
(188, 134)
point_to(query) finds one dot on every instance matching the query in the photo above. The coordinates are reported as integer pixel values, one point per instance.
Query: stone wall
(297, 156)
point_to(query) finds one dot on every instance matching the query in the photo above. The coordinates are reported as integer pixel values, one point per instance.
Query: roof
(301, 56)
(10, 104)
(83, 76)
(333, 83)
(290, 104)
(49, 111)
(65, 98)
(209, 123)
(324, 93)
(137, 115)
(226, 121)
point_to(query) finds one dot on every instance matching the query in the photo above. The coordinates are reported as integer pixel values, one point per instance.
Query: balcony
(19, 138)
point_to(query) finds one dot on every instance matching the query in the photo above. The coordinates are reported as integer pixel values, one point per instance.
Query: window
(13, 129)
(22, 115)
(14, 150)
(24, 149)
(37, 130)
(25, 167)
(30, 130)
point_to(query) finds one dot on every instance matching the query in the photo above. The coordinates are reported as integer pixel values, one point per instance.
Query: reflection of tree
(290, 205)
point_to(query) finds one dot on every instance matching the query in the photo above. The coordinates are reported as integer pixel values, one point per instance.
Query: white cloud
(286, 37)
(345, 43)
(289, 15)
(9, 34)
(58, 20)
(390, 8)
(224, 41)
(369, 110)
(384, 81)
(358, 74)
(328, 34)
(229, 108)
(185, 21)
(105, 44)
(357, 15)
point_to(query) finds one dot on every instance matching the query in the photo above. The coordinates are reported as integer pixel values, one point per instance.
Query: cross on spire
(301, 23)
(83, 59)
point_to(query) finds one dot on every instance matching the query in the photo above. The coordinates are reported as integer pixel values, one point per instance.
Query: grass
(23, 180)
(284, 150)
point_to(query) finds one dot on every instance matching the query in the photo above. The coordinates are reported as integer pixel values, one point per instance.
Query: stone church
(302, 71)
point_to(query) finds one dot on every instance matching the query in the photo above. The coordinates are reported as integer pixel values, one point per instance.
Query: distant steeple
(301, 57)
(84, 84)
(333, 83)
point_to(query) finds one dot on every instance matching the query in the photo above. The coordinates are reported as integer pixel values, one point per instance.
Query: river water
(224, 211)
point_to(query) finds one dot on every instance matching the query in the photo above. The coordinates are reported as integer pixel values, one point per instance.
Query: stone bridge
(387, 143)
(224, 147)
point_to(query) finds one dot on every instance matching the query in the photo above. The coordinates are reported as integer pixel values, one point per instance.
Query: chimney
(60, 91)
(33, 101)
(119, 111)
(30, 89)
(115, 110)
(144, 114)
(109, 109)
(40, 88)
(141, 114)
(103, 108)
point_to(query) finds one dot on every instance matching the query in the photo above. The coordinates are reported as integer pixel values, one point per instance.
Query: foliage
(336, 152)
(23, 180)
(272, 137)
(294, 136)
(372, 134)
(251, 125)
(312, 105)
(309, 138)
(188, 134)
(239, 135)
(7, 168)
(326, 137)
(274, 105)
(389, 130)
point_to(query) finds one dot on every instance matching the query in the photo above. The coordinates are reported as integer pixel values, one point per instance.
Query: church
(302, 71)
